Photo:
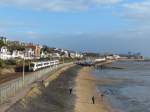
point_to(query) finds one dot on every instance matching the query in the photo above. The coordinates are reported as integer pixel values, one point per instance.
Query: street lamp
(23, 69)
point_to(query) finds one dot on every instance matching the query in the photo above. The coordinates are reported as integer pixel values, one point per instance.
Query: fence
(12, 87)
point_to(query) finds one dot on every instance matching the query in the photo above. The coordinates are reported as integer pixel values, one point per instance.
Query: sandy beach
(85, 89)
(56, 97)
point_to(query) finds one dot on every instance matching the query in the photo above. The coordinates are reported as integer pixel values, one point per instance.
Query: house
(56, 55)
(72, 54)
(66, 54)
(79, 55)
(4, 53)
(33, 51)
(18, 54)
(116, 57)
(29, 53)
(44, 55)
(75, 54)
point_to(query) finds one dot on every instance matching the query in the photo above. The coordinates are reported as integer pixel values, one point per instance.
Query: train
(98, 60)
(34, 66)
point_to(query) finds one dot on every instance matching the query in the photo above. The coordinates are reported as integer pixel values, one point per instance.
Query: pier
(94, 62)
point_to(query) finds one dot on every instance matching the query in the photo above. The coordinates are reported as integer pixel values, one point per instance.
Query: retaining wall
(10, 88)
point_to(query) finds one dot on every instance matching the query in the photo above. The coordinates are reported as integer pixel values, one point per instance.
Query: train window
(39, 65)
(46, 63)
(32, 65)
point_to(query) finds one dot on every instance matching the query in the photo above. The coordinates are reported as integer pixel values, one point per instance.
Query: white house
(78, 55)
(66, 54)
(4, 53)
(116, 57)
(29, 53)
(44, 55)
(56, 55)
(17, 54)
(75, 55)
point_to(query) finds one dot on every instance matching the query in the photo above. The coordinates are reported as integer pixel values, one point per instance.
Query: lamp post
(23, 69)
(63, 61)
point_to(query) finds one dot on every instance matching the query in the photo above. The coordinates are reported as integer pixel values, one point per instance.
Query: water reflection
(130, 90)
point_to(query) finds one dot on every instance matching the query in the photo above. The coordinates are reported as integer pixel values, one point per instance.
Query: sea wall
(10, 88)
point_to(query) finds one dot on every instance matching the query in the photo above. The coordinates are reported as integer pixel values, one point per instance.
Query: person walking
(93, 100)
(102, 96)
(70, 90)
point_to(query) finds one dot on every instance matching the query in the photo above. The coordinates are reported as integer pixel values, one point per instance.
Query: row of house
(32, 51)
(61, 53)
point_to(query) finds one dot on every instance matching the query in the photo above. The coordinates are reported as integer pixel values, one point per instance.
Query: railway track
(8, 77)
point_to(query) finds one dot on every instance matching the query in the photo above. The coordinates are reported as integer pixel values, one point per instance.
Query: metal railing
(10, 88)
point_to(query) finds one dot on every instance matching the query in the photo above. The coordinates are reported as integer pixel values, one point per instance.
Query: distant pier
(94, 63)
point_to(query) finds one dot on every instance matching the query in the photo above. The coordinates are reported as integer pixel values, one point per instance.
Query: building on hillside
(29, 53)
(18, 54)
(55, 55)
(116, 57)
(75, 54)
(72, 54)
(66, 54)
(33, 51)
(44, 55)
(79, 55)
(4, 53)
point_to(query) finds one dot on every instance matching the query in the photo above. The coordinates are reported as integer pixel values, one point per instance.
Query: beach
(55, 97)
(85, 89)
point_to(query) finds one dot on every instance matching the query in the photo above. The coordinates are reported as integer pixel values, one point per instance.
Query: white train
(100, 60)
(38, 65)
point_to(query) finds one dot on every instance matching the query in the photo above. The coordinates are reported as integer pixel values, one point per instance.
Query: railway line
(35, 67)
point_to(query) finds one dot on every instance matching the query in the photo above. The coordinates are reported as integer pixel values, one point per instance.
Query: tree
(1, 43)
(16, 47)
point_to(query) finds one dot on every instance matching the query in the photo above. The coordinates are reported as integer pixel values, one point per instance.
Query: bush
(6, 63)
(10, 62)
(2, 63)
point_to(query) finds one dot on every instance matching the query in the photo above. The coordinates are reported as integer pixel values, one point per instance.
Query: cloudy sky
(85, 25)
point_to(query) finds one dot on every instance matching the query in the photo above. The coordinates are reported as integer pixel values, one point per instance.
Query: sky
(116, 26)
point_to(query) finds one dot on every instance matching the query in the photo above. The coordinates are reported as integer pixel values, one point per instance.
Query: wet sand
(56, 97)
(85, 89)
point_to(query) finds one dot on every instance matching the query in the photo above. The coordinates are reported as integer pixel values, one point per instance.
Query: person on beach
(42, 81)
(70, 91)
(93, 100)
(102, 96)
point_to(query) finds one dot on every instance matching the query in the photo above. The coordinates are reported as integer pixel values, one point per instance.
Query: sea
(129, 90)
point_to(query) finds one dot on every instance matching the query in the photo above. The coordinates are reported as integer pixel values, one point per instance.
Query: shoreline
(54, 95)
(85, 89)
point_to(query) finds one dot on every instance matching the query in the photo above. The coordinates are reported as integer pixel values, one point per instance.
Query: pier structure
(94, 62)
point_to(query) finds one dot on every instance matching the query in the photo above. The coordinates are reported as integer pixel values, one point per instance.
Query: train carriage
(38, 65)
